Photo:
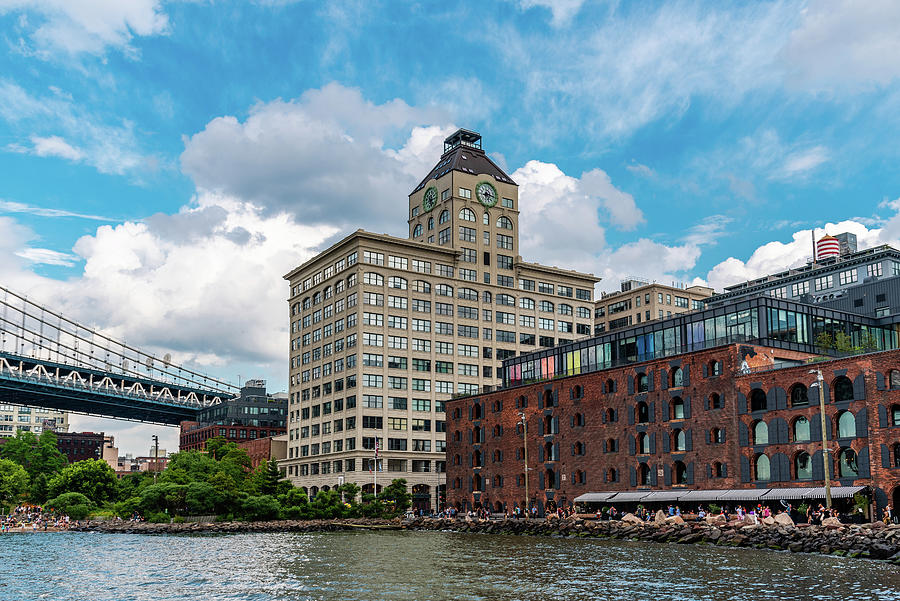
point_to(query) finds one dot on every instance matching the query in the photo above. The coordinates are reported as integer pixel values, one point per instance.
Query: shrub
(262, 507)
(714, 509)
(65, 503)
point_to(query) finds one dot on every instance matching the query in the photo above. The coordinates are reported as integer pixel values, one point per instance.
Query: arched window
(578, 419)
(445, 216)
(715, 368)
(897, 454)
(577, 392)
(758, 401)
(895, 415)
(847, 467)
(467, 294)
(456, 458)
(307, 303)
(476, 457)
(457, 436)
(507, 300)
(431, 223)
(504, 223)
(677, 408)
(550, 477)
(497, 406)
(526, 303)
(846, 425)
(467, 214)
(496, 455)
(548, 399)
(329, 292)
(612, 475)
(715, 400)
(421, 286)
(801, 430)
(643, 383)
(643, 474)
(564, 309)
(761, 468)
(803, 466)
(477, 435)
(799, 397)
(718, 470)
(476, 411)
(579, 448)
(477, 482)
(760, 433)
(522, 401)
(677, 377)
(643, 412)
(643, 443)
(894, 379)
(610, 415)
(371, 278)
(443, 290)
(485, 219)
(717, 435)
(610, 445)
(486, 297)
(610, 386)
(843, 389)
(417, 231)
(397, 282)
(679, 473)
(456, 483)
(679, 440)
(317, 298)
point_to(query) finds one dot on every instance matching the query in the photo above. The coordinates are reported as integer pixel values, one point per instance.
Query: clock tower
(466, 202)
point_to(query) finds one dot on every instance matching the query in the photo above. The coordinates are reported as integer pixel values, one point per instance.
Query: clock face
(429, 199)
(487, 194)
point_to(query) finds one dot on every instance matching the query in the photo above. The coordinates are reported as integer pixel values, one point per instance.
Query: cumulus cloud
(841, 42)
(53, 26)
(326, 157)
(561, 11)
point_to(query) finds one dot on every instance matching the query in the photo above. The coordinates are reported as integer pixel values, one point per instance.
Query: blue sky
(162, 164)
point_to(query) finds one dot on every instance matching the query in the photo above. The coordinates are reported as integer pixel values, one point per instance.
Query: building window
(873, 270)
(823, 283)
(848, 277)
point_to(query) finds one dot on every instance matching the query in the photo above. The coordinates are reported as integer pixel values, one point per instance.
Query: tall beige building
(32, 419)
(638, 302)
(384, 330)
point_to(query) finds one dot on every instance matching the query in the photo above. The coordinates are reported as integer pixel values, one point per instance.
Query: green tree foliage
(13, 481)
(396, 496)
(92, 478)
(262, 507)
(73, 504)
(38, 455)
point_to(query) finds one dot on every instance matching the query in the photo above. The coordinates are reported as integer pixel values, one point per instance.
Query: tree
(73, 504)
(39, 456)
(13, 481)
(93, 478)
(267, 478)
(396, 494)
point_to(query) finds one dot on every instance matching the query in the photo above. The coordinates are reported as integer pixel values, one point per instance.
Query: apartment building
(640, 302)
(30, 419)
(384, 330)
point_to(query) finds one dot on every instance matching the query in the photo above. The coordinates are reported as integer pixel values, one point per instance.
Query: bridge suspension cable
(28, 329)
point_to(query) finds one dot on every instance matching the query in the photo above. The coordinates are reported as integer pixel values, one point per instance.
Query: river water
(395, 565)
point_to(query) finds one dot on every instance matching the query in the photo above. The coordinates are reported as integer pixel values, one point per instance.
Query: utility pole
(525, 447)
(826, 463)
(155, 457)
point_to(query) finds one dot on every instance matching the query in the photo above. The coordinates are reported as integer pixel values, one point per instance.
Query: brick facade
(584, 432)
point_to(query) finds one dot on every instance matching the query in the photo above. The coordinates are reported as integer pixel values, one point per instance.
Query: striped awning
(786, 493)
(594, 497)
(663, 495)
(629, 497)
(837, 492)
(702, 495)
(743, 495)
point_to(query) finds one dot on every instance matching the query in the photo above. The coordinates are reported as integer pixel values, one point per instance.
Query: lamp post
(826, 464)
(155, 457)
(525, 447)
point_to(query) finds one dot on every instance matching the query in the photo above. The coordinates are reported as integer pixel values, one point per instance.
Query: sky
(164, 164)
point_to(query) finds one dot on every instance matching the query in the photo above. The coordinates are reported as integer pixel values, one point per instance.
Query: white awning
(629, 497)
(664, 495)
(594, 497)
(743, 495)
(837, 492)
(702, 495)
(786, 493)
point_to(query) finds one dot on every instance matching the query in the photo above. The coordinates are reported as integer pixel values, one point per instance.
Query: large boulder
(832, 522)
(660, 517)
(716, 520)
(783, 519)
(674, 519)
(630, 518)
(749, 520)
(768, 521)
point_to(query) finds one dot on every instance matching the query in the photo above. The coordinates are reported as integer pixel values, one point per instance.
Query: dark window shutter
(724, 436)
(688, 444)
(879, 381)
(651, 381)
(743, 434)
(689, 476)
(666, 444)
(556, 479)
(616, 446)
(708, 466)
(631, 445)
(630, 381)
(885, 457)
(542, 428)
(555, 452)
(470, 413)
(706, 403)
(501, 455)
(687, 407)
(540, 401)
(741, 403)
(541, 480)
(784, 431)
(859, 387)
(663, 379)
(665, 410)
(862, 462)
(470, 437)
(708, 437)
(815, 428)
(882, 416)
(745, 469)
(572, 421)
(632, 474)
(724, 470)
(705, 370)
(817, 472)
(541, 454)
(653, 443)
(667, 475)
(862, 423)
(615, 415)
(630, 411)
(687, 375)
(555, 425)
(603, 417)
(652, 412)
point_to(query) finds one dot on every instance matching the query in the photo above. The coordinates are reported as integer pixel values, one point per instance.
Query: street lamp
(525, 447)
(825, 461)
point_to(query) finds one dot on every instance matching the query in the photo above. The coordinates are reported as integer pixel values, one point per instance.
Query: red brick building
(264, 449)
(78, 446)
(730, 417)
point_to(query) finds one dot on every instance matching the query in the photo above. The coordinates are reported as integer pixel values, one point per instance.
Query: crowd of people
(33, 518)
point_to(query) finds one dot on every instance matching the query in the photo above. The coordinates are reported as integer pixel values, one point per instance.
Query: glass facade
(767, 321)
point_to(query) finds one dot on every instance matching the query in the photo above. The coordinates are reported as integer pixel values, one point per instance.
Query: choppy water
(416, 565)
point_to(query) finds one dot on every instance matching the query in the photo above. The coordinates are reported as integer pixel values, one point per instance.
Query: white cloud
(708, 230)
(76, 27)
(640, 169)
(7, 206)
(109, 148)
(842, 42)
(46, 256)
(800, 162)
(562, 11)
(326, 157)
(620, 205)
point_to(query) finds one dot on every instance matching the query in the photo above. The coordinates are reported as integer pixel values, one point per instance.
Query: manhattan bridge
(48, 360)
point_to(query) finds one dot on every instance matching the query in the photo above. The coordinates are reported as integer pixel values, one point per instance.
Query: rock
(749, 520)
(660, 517)
(674, 519)
(716, 520)
(784, 519)
(769, 521)
(630, 518)
(832, 522)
